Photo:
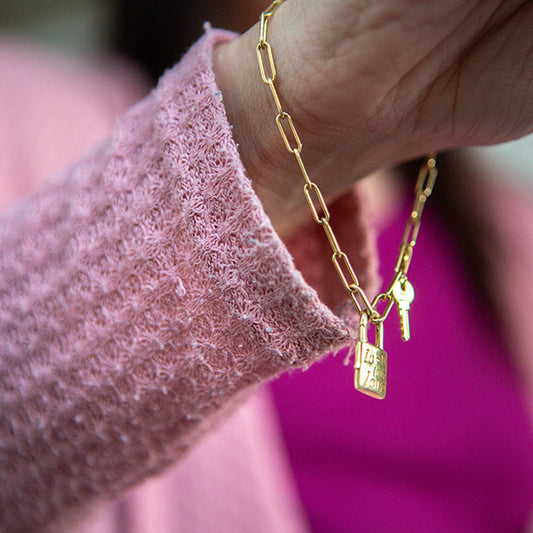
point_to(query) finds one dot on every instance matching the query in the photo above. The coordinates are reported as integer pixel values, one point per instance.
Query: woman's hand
(374, 83)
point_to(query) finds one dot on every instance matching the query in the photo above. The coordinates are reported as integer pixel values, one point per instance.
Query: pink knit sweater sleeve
(142, 291)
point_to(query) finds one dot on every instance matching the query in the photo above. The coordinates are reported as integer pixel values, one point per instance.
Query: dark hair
(155, 34)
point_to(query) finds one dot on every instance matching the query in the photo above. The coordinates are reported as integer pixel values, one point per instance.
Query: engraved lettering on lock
(373, 372)
(375, 377)
(369, 357)
(378, 378)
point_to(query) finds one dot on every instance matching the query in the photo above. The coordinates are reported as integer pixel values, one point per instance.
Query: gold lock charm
(370, 362)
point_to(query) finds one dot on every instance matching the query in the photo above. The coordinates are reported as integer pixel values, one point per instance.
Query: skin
(370, 84)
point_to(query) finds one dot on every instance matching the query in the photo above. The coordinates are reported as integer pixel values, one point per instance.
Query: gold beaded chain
(370, 360)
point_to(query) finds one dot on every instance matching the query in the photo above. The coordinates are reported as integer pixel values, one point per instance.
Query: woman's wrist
(251, 111)
(252, 114)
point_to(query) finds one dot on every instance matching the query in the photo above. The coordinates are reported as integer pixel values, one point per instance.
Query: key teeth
(405, 331)
(406, 335)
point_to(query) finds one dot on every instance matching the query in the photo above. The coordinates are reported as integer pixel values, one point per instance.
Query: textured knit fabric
(142, 291)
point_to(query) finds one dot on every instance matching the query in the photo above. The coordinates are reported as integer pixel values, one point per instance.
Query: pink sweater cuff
(236, 253)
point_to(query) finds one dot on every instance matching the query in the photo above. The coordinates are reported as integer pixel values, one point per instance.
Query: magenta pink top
(449, 449)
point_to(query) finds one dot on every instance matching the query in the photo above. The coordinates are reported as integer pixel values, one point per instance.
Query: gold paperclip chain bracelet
(370, 359)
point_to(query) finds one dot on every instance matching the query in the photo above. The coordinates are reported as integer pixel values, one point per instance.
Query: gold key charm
(370, 362)
(404, 294)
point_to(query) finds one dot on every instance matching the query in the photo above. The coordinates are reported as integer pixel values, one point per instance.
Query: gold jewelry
(370, 359)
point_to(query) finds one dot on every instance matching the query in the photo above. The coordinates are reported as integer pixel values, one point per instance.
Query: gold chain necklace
(370, 359)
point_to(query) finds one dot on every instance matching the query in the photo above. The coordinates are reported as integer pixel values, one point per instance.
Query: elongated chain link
(317, 203)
